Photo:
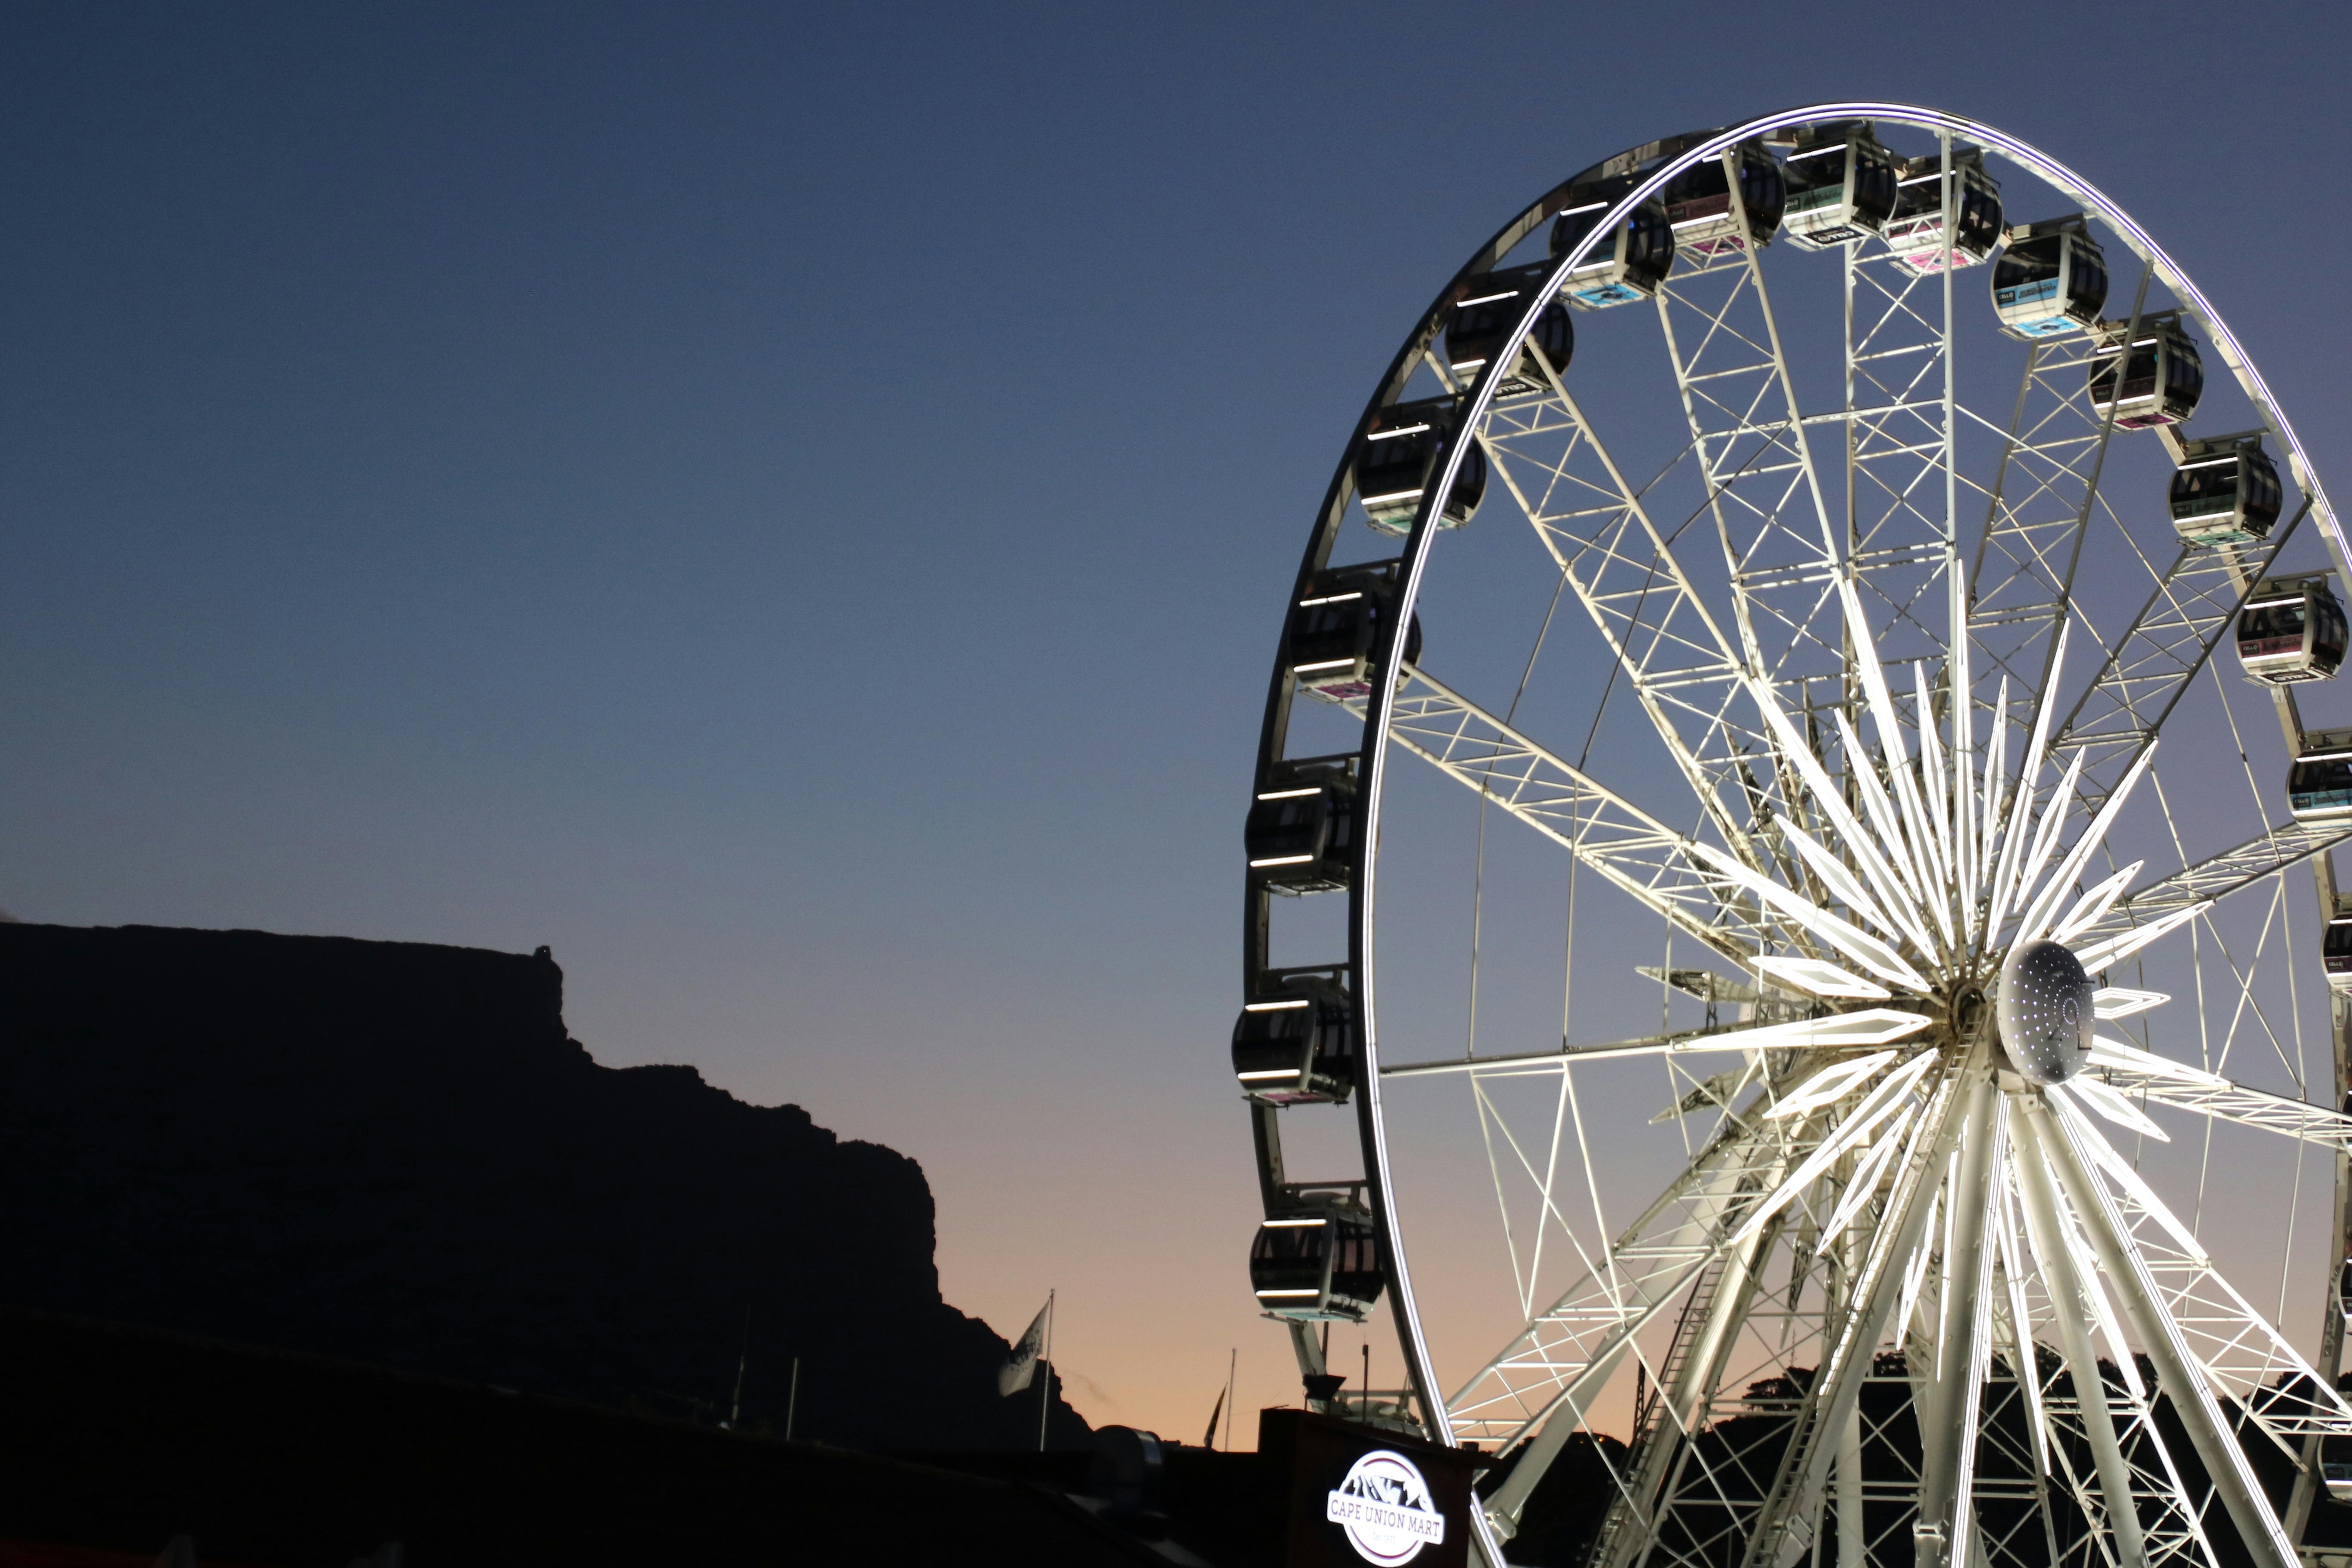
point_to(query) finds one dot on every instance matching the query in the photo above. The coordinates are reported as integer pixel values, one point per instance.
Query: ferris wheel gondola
(2225, 491)
(1627, 262)
(2291, 630)
(1914, 232)
(1842, 185)
(1482, 323)
(2051, 279)
(1847, 679)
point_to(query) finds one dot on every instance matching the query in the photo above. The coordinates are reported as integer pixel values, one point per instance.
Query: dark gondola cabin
(1916, 233)
(2319, 784)
(1301, 827)
(1841, 185)
(2291, 630)
(2336, 946)
(1335, 630)
(2051, 281)
(2225, 491)
(1395, 460)
(1627, 264)
(2161, 374)
(1320, 1265)
(1297, 1047)
(1490, 307)
(1699, 209)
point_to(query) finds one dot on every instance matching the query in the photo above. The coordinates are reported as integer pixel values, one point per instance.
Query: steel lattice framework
(1904, 656)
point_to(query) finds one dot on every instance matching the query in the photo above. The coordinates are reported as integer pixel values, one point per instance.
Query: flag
(1216, 1410)
(1016, 1373)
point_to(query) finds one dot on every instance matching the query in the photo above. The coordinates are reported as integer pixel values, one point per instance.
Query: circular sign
(1385, 1507)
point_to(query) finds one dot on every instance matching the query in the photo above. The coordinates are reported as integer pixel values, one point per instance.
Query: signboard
(1364, 1497)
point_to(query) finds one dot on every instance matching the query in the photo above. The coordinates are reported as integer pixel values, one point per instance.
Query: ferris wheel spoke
(2194, 601)
(2068, 1287)
(1689, 1467)
(1869, 1294)
(2213, 879)
(1755, 460)
(2059, 444)
(2243, 1354)
(1655, 1256)
(2068, 1144)
(2160, 1081)
(1902, 473)
(1952, 1394)
(1701, 1238)
(1651, 1261)
(2023, 577)
(2170, 1518)
(2046, 1460)
(1598, 531)
(1635, 852)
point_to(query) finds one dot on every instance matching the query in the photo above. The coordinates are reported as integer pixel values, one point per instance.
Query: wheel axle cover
(2045, 1011)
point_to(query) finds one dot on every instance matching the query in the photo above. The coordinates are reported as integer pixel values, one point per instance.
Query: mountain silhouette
(395, 1154)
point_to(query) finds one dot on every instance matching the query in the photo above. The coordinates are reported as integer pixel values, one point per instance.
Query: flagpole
(1045, 1384)
(1232, 1364)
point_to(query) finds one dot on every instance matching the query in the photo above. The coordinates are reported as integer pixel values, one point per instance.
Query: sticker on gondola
(1385, 1507)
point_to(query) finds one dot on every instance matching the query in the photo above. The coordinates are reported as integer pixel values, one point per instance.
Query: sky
(792, 506)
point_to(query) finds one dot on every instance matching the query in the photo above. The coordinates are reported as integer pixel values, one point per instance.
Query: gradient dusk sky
(792, 505)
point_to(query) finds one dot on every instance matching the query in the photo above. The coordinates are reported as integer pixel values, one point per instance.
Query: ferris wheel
(1792, 994)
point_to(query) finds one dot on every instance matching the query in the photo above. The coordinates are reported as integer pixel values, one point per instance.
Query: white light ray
(2115, 949)
(1825, 793)
(2104, 1098)
(1864, 1183)
(2208, 1289)
(1888, 862)
(2094, 1290)
(2037, 915)
(1820, 977)
(1849, 939)
(2118, 1002)
(2096, 903)
(1843, 882)
(1916, 1275)
(1828, 1084)
(1868, 1026)
(2020, 811)
(1932, 776)
(1995, 777)
(1876, 1108)
(2110, 1053)
(2045, 838)
(1965, 804)
(1897, 757)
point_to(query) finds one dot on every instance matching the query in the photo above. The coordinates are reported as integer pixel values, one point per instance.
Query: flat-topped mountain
(395, 1154)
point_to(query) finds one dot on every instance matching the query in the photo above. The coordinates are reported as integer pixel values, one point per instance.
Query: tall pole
(1232, 1364)
(742, 1358)
(1947, 1516)
(792, 1405)
(1045, 1384)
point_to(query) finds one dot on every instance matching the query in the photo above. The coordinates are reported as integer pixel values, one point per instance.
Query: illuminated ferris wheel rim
(2023, 153)
(1441, 481)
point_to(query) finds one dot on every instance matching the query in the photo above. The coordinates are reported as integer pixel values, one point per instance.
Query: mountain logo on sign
(1383, 1505)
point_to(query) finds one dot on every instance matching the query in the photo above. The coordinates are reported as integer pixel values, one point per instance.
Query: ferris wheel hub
(2044, 1012)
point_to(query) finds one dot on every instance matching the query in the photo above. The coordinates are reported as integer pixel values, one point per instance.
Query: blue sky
(791, 506)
